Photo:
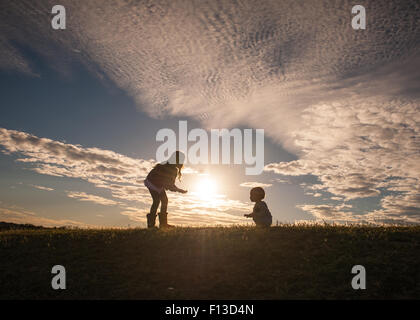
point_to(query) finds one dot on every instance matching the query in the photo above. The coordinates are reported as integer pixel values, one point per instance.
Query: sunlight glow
(206, 199)
(206, 188)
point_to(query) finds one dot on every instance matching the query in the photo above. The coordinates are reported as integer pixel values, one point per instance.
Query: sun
(205, 188)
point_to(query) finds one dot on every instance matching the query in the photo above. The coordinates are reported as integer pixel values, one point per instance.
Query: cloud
(328, 212)
(55, 158)
(401, 207)
(19, 215)
(283, 181)
(255, 184)
(346, 102)
(394, 215)
(82, 196)
(363, 150)
(291, 168)
(12, 60)
(42, 188)
(187, 58)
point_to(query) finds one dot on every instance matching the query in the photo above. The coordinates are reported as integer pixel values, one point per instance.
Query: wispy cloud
(329, 212)
(42, 188)
(82, 196)
(19, 215)
(372, 150)
(11, 59)
(254, 184)
(55, 158)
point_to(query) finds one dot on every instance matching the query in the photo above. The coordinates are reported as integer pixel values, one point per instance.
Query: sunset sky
(80, 109)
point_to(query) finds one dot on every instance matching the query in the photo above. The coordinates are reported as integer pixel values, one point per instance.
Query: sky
(80, 109)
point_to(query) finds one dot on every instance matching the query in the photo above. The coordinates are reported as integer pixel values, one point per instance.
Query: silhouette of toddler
(261, 215)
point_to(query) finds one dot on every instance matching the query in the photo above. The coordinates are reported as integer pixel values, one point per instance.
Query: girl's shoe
(151, 220)
(163, 221)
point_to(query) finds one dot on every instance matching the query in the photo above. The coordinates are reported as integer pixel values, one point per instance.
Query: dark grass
(286, 262)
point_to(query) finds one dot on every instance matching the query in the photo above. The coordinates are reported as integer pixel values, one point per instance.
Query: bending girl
(160, 178)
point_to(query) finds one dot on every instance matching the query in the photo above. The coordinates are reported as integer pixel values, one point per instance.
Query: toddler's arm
(252, 214)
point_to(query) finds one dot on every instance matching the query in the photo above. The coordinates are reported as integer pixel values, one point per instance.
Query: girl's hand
(247, 215)
(183, 191)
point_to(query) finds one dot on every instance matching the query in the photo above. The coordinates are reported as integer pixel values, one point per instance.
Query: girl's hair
(177, 159)
(179, 167)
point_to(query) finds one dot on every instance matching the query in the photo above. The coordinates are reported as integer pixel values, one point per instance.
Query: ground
(284, 262)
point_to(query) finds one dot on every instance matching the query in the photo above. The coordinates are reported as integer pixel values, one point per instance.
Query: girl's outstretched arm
(174, 188)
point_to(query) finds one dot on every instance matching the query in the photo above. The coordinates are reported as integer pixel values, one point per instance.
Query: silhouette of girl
(160, 178)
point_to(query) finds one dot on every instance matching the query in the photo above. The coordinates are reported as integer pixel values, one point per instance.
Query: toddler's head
(257, 194)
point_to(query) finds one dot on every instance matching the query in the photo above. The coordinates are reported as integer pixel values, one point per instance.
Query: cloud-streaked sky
(340, 107)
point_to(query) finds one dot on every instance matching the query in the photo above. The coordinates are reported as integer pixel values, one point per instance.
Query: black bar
(162, 309)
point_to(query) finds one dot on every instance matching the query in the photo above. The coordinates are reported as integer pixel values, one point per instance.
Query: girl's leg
(163, 215)
(156, 200)
(163, 202)
(151, 217)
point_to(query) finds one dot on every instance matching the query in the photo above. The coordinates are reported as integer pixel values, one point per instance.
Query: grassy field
(285, 262)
